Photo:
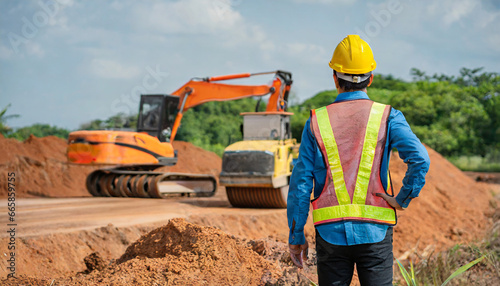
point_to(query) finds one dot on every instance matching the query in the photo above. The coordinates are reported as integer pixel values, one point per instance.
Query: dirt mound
(41, 169)
(182, 253)
(452, 208)
(193, 159)
(195, 254)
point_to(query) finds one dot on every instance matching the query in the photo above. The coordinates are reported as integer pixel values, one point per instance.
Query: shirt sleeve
(300, 188)
(413, 153)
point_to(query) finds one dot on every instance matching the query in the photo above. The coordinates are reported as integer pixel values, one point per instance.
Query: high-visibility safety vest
(351, 136)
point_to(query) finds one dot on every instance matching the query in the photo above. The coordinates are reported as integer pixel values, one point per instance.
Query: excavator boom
(201, 90)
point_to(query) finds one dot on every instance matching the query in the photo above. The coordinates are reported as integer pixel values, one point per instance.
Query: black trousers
(373, 262)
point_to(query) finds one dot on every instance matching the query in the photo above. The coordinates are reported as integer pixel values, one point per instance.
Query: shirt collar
(351, 95)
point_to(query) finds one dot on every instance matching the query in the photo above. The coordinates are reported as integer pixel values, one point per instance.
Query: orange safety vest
(351, 136)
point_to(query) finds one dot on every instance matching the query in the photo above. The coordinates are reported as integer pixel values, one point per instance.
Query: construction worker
(344, 157)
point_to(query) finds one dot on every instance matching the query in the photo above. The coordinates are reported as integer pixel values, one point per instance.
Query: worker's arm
(413, 153)
(301, 185)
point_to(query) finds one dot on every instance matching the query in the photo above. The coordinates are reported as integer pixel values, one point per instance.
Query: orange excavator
(134, 156)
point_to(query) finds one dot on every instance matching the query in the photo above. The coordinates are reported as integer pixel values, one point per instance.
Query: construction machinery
(256, 171)
(133, 157)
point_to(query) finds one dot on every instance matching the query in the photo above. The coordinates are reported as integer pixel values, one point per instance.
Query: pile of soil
(182, 253)
(193, 159)
(451, 208)
(41, 167)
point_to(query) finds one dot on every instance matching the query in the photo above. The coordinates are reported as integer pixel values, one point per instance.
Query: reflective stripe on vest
(356, 209)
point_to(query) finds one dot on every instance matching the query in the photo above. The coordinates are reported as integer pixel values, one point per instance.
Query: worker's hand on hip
(390, 200)
(298, 253)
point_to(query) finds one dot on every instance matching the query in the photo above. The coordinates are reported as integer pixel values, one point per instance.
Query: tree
(39, 130)
(117, 121)
(446, 116)
(418, 75)
(4, 129)
(453, 115)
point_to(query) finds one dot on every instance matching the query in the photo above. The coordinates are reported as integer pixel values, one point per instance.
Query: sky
(67, 62)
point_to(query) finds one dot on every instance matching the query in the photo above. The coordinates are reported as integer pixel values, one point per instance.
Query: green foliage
(4, 129)
(117, 121)
(462, 269)
(388, 82)
(411, 279)
(215, 125)
(455, 115)
(302, 111)
(488, 163)
(39, 130)
(444, 116)
(457, 262)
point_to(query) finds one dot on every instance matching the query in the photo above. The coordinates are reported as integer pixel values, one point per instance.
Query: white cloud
(337, 2)
(494, 41)
(218, 19)
(111, 69)
(118, 5)
(451, 12)
(5, 53)
(307, 53)
(35, 49)
(98, 41)
(189, 16)
(458, 10)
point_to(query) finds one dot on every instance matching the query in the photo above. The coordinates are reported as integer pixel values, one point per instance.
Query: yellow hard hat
(353, 56)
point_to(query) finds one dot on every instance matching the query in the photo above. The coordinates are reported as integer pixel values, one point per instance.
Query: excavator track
(257, 197)
(134, 182)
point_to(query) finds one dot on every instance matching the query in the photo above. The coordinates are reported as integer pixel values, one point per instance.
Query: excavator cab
(157, 114)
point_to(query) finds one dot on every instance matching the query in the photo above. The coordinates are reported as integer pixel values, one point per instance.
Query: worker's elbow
(426, 160)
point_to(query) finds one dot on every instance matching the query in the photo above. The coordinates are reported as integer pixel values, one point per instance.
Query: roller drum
(256, 197)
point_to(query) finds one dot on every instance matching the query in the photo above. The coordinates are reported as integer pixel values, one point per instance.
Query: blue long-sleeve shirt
(310, 167)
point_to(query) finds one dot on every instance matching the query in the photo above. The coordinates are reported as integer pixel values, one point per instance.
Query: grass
(411, 279)
(475, 163)
(472, 264)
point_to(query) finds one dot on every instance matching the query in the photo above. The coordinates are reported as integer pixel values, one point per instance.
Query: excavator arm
(201, 90)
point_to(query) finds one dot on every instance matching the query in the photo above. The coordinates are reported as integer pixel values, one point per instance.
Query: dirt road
(40, 216)
(54, 235)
